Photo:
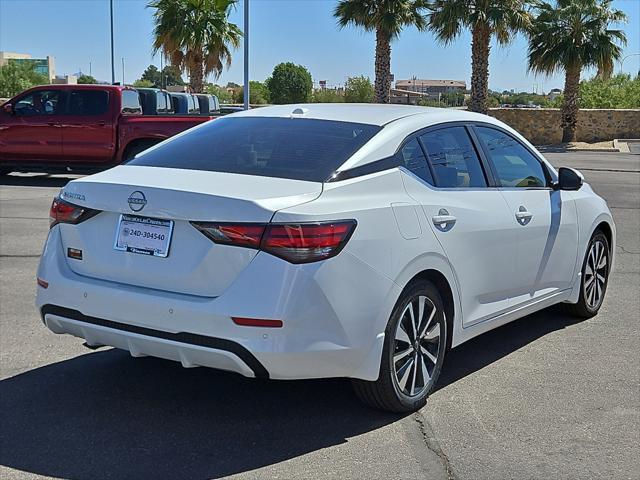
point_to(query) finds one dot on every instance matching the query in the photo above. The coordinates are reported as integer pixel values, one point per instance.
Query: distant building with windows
(45, 66)
(431, 87)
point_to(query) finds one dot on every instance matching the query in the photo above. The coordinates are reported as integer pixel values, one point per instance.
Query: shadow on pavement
(485, 349)
(36, 180)
(107, 415)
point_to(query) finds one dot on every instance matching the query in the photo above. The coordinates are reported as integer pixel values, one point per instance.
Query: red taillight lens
(307, 242)
(240, 234)
(65, 212)
(296, 243)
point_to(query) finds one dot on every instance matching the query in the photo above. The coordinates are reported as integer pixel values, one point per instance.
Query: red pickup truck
(80, 128)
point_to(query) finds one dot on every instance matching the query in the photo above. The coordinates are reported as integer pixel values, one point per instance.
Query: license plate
(147, 236)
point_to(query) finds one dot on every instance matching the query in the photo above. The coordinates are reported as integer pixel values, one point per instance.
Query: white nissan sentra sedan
(309, 241)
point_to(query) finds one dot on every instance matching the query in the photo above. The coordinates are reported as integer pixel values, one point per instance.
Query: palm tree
(485, 18)
(572, 35)
(386, 18)
(196, 36)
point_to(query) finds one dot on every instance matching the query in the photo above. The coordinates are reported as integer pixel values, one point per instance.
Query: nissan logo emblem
(137, 201)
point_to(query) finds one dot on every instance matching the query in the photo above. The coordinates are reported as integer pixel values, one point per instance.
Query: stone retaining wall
(541, 126)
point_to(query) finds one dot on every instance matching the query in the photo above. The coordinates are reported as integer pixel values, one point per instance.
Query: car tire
(594, 278)
(401, 387)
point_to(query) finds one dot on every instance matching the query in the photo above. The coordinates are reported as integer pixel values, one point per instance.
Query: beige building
(45, 66)
(431, 87)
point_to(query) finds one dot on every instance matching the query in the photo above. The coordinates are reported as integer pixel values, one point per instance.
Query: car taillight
(296, 242)
(241, 234)
(307, 242)
(65, 212)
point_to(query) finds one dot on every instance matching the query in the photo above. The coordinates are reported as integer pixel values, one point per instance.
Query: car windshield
(299, 149)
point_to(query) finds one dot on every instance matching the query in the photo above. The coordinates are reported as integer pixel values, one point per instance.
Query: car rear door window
(88, 102)
(301, 149)
(453, 158)
(514, 165)
(414, 160)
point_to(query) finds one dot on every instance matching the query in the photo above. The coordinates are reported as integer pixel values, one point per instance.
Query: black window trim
(394, 160)
(488, 168)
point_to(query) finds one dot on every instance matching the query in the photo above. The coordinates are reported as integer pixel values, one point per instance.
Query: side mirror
(569, 179)
(7, 108)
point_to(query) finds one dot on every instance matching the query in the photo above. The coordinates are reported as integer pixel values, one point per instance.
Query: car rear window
(299, 149)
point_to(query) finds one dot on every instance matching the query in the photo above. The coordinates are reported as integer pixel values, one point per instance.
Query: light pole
(113, 67)
(246, 55)
(628, 56)
(122, 70)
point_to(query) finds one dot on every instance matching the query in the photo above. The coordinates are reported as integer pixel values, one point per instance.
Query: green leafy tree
(196, 36)
(86, 79)
(386, 18)
(359, 90)
(258, 94)
(18, 76)
(289, 83)
(500, 19)
(169, 75)
(220, 92)
(328, 95)
(142, 83)
(571, 35)
(619, 91)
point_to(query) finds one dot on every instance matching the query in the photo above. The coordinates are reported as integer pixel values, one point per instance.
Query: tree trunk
(569, 113)
(383, 66)
(480, 47)
(196, 77)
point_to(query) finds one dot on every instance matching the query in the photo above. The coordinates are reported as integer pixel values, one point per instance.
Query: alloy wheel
(595, 274)
(416, 346)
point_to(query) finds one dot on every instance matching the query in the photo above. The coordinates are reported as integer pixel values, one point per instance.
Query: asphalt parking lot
(543, 397)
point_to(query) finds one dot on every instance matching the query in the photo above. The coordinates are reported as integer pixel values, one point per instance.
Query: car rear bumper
(333, 322)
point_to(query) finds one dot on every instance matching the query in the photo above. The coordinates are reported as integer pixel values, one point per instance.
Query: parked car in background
(308, 241)
(228, 109)
(185, 103)
(81, 128)
(155, 101)
(209, 104)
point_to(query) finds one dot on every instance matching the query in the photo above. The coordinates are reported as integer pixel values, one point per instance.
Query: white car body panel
(334, 312)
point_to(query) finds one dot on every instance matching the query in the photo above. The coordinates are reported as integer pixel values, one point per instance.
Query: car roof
(368, 113)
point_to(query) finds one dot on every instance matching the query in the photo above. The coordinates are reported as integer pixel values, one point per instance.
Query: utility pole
(122, 70)
(113, 66)
(246, 55)
(90, 74)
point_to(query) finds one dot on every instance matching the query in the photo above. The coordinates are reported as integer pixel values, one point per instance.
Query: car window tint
(453, 158)
(41, 102)
(415, 161)
(88, 102)
(131, 102)
(514, 164)
(301, 149)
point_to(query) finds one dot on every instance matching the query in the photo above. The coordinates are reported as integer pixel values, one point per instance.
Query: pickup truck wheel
(135, 148)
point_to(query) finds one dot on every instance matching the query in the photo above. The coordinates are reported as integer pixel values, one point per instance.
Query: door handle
(443, 219)
(523, 216)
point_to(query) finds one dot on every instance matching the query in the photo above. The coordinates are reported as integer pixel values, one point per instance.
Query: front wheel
(595, 277)
(413, 352)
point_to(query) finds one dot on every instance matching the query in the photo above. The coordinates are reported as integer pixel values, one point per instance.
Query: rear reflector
(65, 212)
(296, 243)
(42, 283)
(74, 253)
(256, 322)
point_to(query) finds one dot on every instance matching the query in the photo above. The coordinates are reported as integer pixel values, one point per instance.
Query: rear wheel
(595, 277)
(413, 353)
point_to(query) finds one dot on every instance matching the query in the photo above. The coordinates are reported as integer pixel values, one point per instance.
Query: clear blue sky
(76, 32)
